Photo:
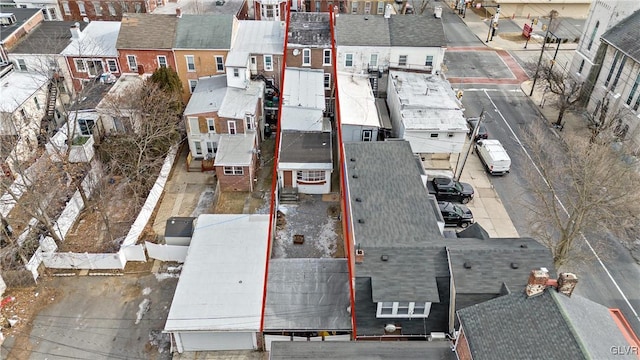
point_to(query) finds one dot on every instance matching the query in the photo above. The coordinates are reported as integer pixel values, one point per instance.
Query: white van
(493, 156)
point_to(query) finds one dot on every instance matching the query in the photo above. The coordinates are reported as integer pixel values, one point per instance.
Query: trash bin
(437, 12)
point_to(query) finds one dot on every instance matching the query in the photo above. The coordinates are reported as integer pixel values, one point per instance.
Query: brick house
(16, 24)
(201, 53)
(78, 10)
(269, 10)
(236, 161)
(145, 42)
(92, 52)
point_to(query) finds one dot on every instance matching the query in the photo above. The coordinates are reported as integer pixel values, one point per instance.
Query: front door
(288, 179)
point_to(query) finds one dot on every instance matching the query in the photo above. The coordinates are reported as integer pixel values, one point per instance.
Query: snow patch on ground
(326, 241)
(205, 202)
(146, 291)
(143, 308)
(165, 276)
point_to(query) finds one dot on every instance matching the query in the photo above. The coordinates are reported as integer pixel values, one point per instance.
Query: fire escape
(48, 124)
(375, 73)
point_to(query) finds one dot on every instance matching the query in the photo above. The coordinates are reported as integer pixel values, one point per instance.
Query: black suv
(482, 131)
(455, 215)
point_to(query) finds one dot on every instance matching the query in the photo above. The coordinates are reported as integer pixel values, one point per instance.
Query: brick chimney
(537, 282)
(359, 256)
(178, 13)
(75, 31)
(567, 283)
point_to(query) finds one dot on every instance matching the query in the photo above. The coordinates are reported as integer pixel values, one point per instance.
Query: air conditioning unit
(437, 336)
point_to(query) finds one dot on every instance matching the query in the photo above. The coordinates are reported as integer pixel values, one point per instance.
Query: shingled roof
(204, 32)
(147, 31)
(50, 37)
(309, 29)
(624, 36)
(398, 30)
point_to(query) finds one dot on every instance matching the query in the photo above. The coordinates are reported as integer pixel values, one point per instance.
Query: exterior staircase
(289, 194)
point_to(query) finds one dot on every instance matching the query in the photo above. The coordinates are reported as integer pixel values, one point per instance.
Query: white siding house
(358, 113)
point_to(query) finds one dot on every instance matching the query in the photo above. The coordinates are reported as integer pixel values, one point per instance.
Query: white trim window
(354, 7)
(112, 65)
(197, 147)
(97, 8)
(194, 126)
(211, 125)
(80, 66)
(233, 170)
(306, 57)
(367, 7)
(327, 81)
(402, 60)
(249, 121)
(81, 8)
(231, 127)
(219, 64)
(403, 309)
(326, 57)
(192, 85)
(380, 7)
(367, 135)
(66, 8)
(348, 60)
(191, 63)
(311, 176)
(112, 9)
(429, 61)
(236, 72)
(162, 61)
(268, 62)
(373, 60)
(133, 63)
(86, 126)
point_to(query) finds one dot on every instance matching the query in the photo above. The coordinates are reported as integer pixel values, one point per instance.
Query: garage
(203, 341)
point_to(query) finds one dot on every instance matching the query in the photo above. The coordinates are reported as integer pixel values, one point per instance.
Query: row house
(359, 7)
(80, 10)
(201, 53)
(375, 44)
(145, 42)
(92, 55)
(50, 8)
(268, 10)
(16, 23)
(309, 46)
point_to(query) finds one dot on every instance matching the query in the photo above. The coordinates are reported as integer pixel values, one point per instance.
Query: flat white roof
(222, 281)
(124, 84)
(260, 37)
(208, 95)
(239, 102)
(357, 103)
(18, 87)
(303, 88)
(303, 119)
(236, 150)
(97, 39)
(427, 102)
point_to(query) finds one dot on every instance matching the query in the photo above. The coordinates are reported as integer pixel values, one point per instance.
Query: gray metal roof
(362, 350)
(307, 295)
(21, 15)
(204, 32)
(624, 36)
(305, 147)
(309, 29)
(398, 30)
(260, 37)
(394, 203)
(147, 31)
(50, 37)
(236, 149)
(207, 96)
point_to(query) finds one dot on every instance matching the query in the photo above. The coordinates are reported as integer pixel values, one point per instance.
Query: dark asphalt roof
(21, 15)
(361, 350)
(624, 36)
(309, 29)
(474, 231)
(92, 94)
(147, 31)
(305, 147)
(204, 32)
(179, 227)
(307, 295)
(398, 30)
(548, 326)
(50, 37)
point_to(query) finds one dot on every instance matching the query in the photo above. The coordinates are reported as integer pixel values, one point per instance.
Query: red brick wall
(26, 28)
(242, 182)
(120, 7)
(77, 76)
(146, 58)
(462, 347)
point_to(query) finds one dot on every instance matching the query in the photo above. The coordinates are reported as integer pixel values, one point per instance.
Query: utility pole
(460, 166)
(544, 43)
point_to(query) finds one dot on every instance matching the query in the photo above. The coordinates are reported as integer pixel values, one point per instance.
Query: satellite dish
(85, 19)
(296, 52)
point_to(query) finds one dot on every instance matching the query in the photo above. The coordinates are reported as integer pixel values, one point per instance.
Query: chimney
(359, 256)
(387, 11)
(75, 31)
(178, 13)
(567, 283)
(537, 282)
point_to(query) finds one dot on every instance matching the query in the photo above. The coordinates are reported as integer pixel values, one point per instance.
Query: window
(326, 58)
(97, 8)
(581, 67)
(162, 61)
(219, 63)
(194, 126)
(367, 135)
(434, 135)
(317, 6)
(311, 176)
(231, 126)
(22, 65)
(112, 10)
(197, 147)
(23, 114)
(248, 119)
(270, 12)
(86, 126)
(367, 7)
(80, 67)
(613, 66)
(429, 61)
(348, 60)
(212, 147)
(35, 100)
(191, 63)
(211, 125)
(236, 72)
(124, 6)
(402, 60)
(65, 7)
(380, 7)
(327, 81)
(112, 65)
(373, 60)
(354, 7)
(593, 35)
(268, 63)
(52, 14)
(81, 8)
(306, 57)
(233, 170)
(138, 7)
(192, 85)
(634, 88)
(94, 67)
(403, 310)
(615, 81)
(637, 104)
(133, 64)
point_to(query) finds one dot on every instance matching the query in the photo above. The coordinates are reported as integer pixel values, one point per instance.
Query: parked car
(455, 215)
(446, 189)
(482, 130)
(493, 156)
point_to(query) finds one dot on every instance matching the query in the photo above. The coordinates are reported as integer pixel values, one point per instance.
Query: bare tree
(607, 124)
(565, 88)
(599, 192)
